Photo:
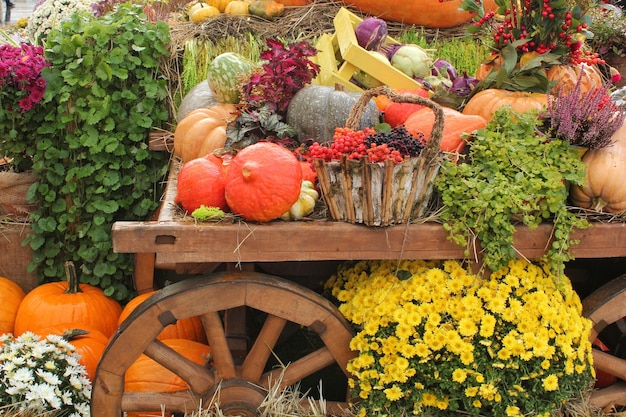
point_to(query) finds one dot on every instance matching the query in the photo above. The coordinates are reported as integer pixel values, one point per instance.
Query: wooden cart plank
(175, 242)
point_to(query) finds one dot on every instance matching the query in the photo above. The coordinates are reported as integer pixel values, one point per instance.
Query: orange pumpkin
(11, 295)
(263, 181)
(429, 13)
(89, 342)
(237, 7)
(202, 131)
(603, 189)
(566, 77)
(201, 182)
(395, 113)
(294, 2)
(485, 103)
(147, 375)
(188, 328)
(455, 125)
(68, 301)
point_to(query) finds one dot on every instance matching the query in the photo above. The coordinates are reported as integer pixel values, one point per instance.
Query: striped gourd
(224, 75)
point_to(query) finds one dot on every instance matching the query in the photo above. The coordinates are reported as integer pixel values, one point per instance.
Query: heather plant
(587, 120)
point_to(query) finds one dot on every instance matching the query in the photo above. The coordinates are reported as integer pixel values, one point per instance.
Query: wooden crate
(14, 258)
(340, 56)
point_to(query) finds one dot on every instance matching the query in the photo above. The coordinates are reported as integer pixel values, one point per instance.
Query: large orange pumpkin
(263, 181)
(485, 103)
(188, 328)
(604, 189)
(202, 131)
(68, 301)
(11, 295)
(429, 13)
(455, 125)
(147, 375)
(89, 342)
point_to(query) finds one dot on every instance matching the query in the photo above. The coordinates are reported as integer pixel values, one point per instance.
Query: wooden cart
(237, 371)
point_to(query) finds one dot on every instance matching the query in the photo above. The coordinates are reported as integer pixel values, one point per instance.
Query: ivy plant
(513, 175)
(104, 94)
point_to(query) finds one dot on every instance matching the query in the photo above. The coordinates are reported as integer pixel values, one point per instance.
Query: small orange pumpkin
(485, 103)
(603, 189)
(263, 181)
(147, 375)
(455, 125)
(11, 295)
(89, 343)
(202, 131)
(237, 7)
(188, 328)
(201, 181)
(68, 301)
(566, 77)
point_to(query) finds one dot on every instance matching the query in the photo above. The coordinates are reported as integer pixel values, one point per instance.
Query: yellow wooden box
(340, 56)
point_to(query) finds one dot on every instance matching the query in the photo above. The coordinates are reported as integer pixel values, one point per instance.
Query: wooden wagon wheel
(606, 307)
(241, 387)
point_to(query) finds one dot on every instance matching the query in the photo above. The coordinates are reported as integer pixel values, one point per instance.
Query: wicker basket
(359, 191)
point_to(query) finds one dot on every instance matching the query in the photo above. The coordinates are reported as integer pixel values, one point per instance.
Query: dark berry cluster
(395, 145)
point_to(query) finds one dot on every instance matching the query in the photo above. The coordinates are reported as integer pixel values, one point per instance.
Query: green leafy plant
(436, 340)
(104, 95)
(514, 175)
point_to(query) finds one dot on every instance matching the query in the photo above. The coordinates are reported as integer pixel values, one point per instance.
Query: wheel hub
(238, 397)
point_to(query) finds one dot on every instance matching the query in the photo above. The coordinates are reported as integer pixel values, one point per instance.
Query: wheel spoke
(177, 402)
(301, 368)
(222, 357)
(260, 352)
(198, 377)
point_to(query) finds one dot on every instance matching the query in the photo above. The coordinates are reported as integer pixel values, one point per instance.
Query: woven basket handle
(431, 150)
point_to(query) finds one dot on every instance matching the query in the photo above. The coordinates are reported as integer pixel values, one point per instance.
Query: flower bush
(434, 339)
(43, 376)
(21, 88)
(49, 14)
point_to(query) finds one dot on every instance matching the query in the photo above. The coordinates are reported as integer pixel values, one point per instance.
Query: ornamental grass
(434, 339)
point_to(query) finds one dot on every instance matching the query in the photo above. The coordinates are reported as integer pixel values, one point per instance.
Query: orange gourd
(263, 181)
(11, 295)
(147, 375)
(237, 7)
(395, 113)
(603, 189)
(455, 125)
(188, 328)
(294, 2)
(201, 181)
(89, 343)
(68, 301)
(566, 77)
(202, 131)
(485, 103)
(219, 4)
(429, 13)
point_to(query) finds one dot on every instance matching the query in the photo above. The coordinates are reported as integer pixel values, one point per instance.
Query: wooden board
(185, 242)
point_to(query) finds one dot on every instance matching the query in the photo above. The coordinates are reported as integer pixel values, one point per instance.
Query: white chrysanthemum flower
(50, 14)
(48, 377)
(23, 375)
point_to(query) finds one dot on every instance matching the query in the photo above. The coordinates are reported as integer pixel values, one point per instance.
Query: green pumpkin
(225, 73)
(316, 110)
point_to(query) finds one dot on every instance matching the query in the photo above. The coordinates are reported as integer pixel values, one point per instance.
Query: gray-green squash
(199, 97)
(315, 111)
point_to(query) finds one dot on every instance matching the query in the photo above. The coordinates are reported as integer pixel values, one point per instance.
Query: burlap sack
(13, 189)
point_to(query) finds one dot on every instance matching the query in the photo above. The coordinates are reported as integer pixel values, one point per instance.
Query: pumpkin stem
(73, 286)
(598, 203)
(71, 334)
